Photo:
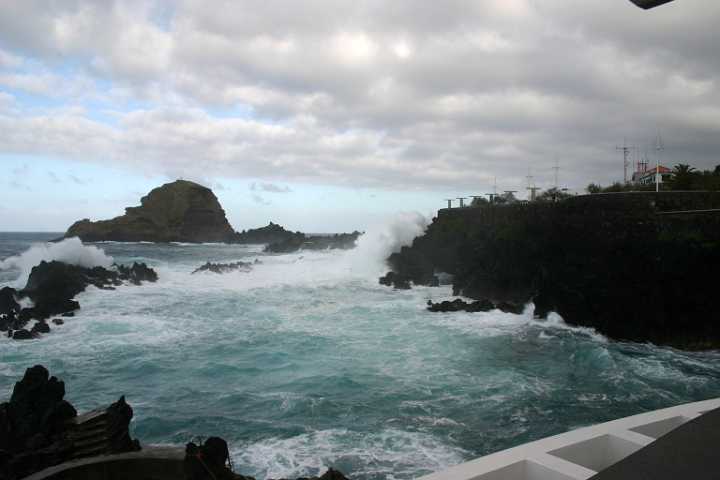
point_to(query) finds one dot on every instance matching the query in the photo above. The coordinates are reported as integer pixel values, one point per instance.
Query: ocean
(306, 362)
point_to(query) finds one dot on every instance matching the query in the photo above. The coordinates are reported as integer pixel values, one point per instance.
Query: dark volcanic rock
(58, 321)
(459, 305)
(41, 327)
(628, 265)
(271, 233)
(180, 211)
(136, 273)
(300, 241)
(399, 282)
(8, 304)
(52, 285)
(22, 334)
(39, 429)
(224, 267)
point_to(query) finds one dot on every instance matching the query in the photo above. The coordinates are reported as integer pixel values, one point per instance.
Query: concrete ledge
(151, 463)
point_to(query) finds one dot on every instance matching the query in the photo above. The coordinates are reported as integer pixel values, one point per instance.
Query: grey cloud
(77, 180)
(406, 95)
(21, 171)
(260, 200)
(269, 188)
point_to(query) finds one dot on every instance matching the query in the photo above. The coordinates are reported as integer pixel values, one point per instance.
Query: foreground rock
(52, 287)
(180, 211)
(300, 241)
(225, 267)
(632, 266)
(39, 428)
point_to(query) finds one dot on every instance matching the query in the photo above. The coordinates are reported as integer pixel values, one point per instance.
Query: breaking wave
(69, 250)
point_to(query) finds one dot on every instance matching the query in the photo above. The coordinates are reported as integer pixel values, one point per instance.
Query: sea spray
(69, 250)
(379, 241)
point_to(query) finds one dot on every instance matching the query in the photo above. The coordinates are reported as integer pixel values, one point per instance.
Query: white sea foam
(69, 250)
(390, 453)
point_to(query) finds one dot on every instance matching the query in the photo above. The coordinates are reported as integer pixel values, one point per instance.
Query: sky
(331, 115)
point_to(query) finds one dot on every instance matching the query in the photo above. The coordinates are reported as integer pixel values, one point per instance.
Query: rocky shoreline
(52, 287)
(633, 266)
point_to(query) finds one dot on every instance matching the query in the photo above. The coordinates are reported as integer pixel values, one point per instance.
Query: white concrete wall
(579, 454)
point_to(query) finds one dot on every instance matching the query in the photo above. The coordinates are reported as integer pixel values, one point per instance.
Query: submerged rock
(180, 211)
(459, 305)
(224, 267)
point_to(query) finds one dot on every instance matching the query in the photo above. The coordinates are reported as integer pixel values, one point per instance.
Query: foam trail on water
(69, 250)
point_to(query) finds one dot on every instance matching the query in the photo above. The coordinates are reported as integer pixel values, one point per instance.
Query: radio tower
(625, 149)
(557, 173)
(659, 147)
(531, 186)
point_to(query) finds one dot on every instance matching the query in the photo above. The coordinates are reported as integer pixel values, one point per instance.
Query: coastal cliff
(628, 265)
(180, 211)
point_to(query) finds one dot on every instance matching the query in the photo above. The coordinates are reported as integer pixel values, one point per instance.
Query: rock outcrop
(633, 265)
(300, 241)
(52, 287)
(180, 211)
(39, 428)
(226, 267)
(272, 233)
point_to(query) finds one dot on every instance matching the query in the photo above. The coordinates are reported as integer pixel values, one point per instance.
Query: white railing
(579, 454)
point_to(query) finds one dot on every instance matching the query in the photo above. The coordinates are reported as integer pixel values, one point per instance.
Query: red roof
(652, 170)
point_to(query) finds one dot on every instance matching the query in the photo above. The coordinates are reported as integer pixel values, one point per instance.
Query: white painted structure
(579, 454)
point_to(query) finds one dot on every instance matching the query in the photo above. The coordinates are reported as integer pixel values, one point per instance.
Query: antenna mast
(625, 149)
(659, 147)
(557, 173)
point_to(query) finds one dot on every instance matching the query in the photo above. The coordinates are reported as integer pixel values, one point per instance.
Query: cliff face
(618, 263)
(180, 211)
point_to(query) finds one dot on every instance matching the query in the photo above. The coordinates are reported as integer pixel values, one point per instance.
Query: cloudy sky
(329, 115)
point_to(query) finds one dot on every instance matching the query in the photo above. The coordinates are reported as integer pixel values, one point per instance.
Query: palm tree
(682, 177)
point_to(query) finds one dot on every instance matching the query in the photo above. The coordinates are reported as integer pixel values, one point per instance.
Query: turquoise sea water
(306, 362)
